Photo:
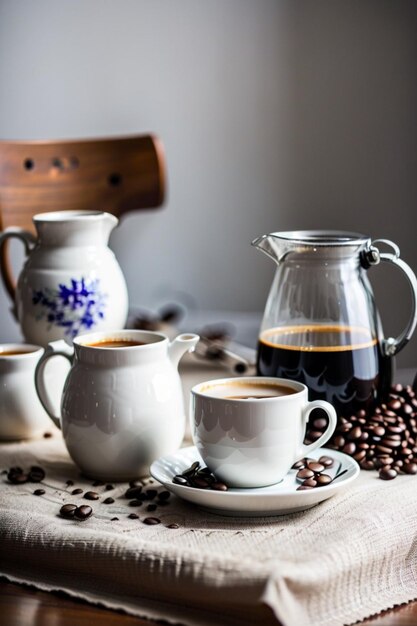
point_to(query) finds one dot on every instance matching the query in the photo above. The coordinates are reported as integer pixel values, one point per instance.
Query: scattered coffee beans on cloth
(385, 439)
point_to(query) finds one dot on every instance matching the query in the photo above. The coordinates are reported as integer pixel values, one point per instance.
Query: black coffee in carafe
(321, 325)
(341, 364)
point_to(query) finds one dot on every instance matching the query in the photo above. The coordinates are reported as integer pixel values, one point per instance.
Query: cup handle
(304, 449)
(56, 348)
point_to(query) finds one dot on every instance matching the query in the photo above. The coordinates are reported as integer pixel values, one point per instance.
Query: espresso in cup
(250, 431)
(241, 389)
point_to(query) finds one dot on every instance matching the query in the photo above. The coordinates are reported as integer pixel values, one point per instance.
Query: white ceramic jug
(122, 407)
(71, 282)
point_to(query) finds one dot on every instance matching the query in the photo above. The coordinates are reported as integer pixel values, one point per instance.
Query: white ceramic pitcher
(71, 282)
(122, 407)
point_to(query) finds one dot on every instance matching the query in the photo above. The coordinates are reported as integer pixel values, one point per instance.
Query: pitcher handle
(55, 348)
(373, 256)
(29, 241)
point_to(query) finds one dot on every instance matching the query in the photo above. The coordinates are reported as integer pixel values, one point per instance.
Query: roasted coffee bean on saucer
(200, 478)
(311, 473)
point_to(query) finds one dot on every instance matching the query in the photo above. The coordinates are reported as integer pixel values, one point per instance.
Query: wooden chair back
(116, 175)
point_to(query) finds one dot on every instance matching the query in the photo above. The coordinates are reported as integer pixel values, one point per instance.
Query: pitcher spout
(182, 344)
(269, 246)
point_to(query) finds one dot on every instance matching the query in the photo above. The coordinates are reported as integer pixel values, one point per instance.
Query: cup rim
(71, 215)
(81, 341)
(294, 384)
(24, 350)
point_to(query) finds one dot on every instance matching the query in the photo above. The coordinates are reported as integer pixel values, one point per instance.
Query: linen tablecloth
(341, 561)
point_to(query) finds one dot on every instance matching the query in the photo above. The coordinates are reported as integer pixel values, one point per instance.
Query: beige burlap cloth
(346, 559)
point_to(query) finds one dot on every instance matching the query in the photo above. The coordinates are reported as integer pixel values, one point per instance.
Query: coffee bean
(310, 482)
(83, 512)
(36, 474)
(304, 488)
(355, 433)
(315, 467)
(91, 495)
(97, 483)
(109, 487)
(410, 468)
(219, 487)
(17, 479)
(391, 443)
(201, 483)
(39, 492)
(349, 448)
(383, 450)
(133, 492)
(173, 526)
(47, 435)
(379, 431)
(320, 423)
(323, 479)
(114, 519)
(180, 480)
(76, 492)
(359, 456)
(367, 465)
(326, 461)
(339, 441)
(190, 471)
(133, 516)
(314, 434)
(151, 507)
(387, 473)
(151, 494)
(68, 510)
(69, 483)
(395, 429)
(164, 495)
(136, 503)
(135, 483)
(151, 521)
(305, 473)
(108, 501)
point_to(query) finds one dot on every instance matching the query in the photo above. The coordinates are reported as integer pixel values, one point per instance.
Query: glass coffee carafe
(321, 325)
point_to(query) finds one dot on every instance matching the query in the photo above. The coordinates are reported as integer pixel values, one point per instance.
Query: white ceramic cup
(21, 414)
(253, 442)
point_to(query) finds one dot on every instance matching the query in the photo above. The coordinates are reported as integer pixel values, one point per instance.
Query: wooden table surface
(25, 606)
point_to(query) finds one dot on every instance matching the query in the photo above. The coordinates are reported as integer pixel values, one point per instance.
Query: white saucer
(278, 499)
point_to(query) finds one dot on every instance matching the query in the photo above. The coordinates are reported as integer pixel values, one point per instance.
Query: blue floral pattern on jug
(76, 308)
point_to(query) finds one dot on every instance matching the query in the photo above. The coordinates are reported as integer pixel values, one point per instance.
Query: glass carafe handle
(372, 256)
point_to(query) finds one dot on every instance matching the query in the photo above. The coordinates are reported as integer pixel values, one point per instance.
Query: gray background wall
(275, 115)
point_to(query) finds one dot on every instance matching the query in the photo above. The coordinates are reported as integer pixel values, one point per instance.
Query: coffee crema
(114, 343)
(242, 390)
(341, 364)
(16, 352)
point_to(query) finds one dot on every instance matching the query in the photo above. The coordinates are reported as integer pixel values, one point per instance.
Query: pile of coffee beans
(199, 477)
(384, 439)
